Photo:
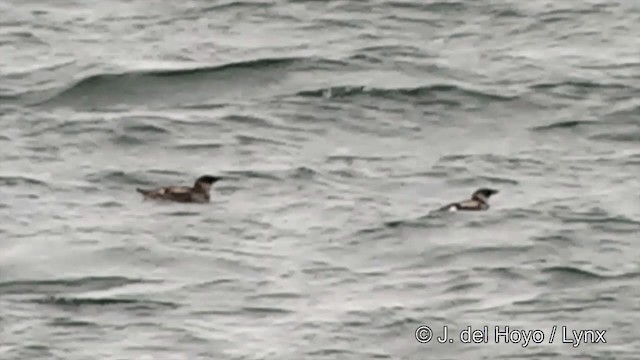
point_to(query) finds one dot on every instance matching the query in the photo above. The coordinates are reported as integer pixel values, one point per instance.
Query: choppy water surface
(338, 127)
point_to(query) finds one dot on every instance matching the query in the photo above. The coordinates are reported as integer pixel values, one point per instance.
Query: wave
(58, 285)
(182, 86)
(428, 220)
(513, 161)
(435, 6)
(572, 124)
(116, 177)
(570, 274)
(72, 127)
(9, 98)
(215, 85)
(301, 172)
(479, 180)
(592, 216)
(577, 85)
(226, 5)
(626, 136)
(251, 64)
(371, 158)
(404, 93)
(165, 172)
(581, 89)
(265, 311)
(250, 139)
(146, 128)
(77, 302)
(199, 146)
(617, 130)
(20, 180)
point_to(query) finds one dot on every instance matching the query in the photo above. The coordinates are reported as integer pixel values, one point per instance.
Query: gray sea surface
(338, 127)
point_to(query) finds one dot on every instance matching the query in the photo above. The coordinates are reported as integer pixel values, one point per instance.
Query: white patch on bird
(177, 190)
(452, 209)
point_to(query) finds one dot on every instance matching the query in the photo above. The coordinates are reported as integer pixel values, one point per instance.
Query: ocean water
(338, 127)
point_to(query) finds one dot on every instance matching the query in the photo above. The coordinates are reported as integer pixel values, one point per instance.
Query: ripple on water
(67, 285)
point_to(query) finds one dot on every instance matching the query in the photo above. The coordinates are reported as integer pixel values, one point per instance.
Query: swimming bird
(479, 201)
(199, 193)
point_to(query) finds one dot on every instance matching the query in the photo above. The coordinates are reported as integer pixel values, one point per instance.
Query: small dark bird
(479, 201)
(199, 193)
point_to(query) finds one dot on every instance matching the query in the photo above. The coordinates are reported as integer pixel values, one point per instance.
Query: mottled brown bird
(479, 201)
(199, 193)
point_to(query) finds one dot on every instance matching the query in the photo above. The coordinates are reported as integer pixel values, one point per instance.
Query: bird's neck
(479, 197)
(202, 188)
